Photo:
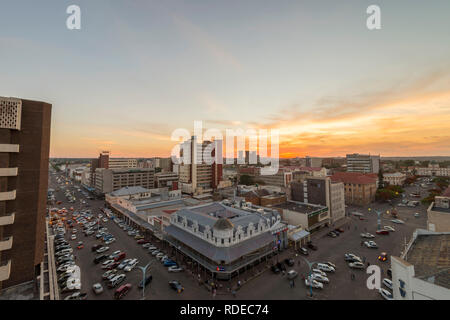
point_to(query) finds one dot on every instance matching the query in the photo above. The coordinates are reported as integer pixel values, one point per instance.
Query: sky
(139, 69)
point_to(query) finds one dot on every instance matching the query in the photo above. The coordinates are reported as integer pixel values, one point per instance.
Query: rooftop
(299, 207)
(430, 256)
(354, 177)
(126, 191)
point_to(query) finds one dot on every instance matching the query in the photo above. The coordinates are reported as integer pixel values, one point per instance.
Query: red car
(112, 265)
(121, 256)
(382, 232)
(339, 229)
(142, 241)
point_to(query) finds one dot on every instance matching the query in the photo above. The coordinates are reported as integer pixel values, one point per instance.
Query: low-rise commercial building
(433, 170)
(308, 216)
(423, 270)
(167, 179)
(394, 179)
(363, 163)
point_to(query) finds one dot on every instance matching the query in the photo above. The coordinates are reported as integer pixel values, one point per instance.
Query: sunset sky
(139, 69)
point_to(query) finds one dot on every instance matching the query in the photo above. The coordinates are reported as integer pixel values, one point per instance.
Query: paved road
(268, 285)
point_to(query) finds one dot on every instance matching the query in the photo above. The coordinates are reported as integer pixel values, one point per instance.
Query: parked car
(123, 264)
(76, 296)
(108, 273)
(175, 269)
(320, 272)
(289, 262)
(131, 265)
(146, 245)
(292, 274)
(275, 269)
(119, 257)
(383, 257)
(312, 246)
(320, 278)
(102, 249)
(386, 294)
(371, 244)
(331, 264)
(115, 254)
(143, 241)
(169, 263)
(339, 230)
(387, 283)
(97, 288)
(389, 228)
(314, 283)
(382, 231)
(176, 285)
(146, 282)
(116, 280)
(356, 265)
(398, 221)
(122, 291)
(367, 235)
(100, 258)
(155, 252)
(325, 267)
(303, 251)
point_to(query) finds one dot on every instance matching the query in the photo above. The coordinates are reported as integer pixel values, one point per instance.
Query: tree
(380, 179)
(246, 180)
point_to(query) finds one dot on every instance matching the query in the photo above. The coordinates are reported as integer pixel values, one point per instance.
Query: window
(223, 241)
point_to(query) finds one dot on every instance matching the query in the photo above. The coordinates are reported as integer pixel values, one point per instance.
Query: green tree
(246, 180)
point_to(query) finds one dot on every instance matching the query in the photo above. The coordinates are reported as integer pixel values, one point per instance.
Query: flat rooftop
(439, 209)
(299, 207)
(430, 256)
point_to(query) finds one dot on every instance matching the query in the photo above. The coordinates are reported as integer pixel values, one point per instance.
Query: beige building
(433, 170)
(363, 163)
(359, 189)
(439, 215)
(109, 180)
(281, 179)
(394, 179)
(115, 163)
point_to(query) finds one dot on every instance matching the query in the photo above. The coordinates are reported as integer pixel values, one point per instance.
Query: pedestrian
(233, 293)
(239, 283)
(214, 293)
(291, 284)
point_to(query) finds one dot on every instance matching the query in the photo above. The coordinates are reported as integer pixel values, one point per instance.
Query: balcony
(7, 220)
(8, 172)
(5, 270)
(9, 148)
(8, 195)
(6, 243)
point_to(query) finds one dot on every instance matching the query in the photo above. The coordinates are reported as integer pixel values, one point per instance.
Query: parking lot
(267, 285)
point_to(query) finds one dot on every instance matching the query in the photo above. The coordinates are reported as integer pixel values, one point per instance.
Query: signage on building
(220, 269)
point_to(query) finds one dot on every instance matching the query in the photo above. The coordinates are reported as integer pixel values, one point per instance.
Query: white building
(423, 271)
(394, 179)
(433, 170)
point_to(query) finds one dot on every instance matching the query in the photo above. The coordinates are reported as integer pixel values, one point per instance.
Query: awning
(299, 235)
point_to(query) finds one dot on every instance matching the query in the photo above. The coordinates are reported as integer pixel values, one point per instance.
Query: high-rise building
(24, 155)
(363, 163)
(197, 174)
(109, 180)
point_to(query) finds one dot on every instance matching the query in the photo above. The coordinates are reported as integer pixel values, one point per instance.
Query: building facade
(363, 163)
(308, 216)
(360, 189)
(394, 179)
(24, 161)
(109, 180)
(198, 175)
(433, 170)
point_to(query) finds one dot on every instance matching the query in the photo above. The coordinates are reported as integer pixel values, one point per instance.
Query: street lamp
(379, 213)
(144, 270)
(310, 264)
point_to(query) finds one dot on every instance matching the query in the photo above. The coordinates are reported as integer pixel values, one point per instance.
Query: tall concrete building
(109, 180)
(322, 191)
(24, 155)
(198, 175)
(363, 163)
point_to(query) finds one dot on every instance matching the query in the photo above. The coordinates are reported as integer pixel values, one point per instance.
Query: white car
(388, 283)
(102, 249)
(314, 284)
(389, 228)
(398, 221)
(367, 235)
(325, 267)
(73, 237)
(115, 254)
(155, 252)
(319, 272)
(371, 244)
(386, 294)
(107, 262)
(319, 278)
(356, 265)
(292, 274)
(152, 248)
(131, 266)
(163, 258)
(331, 264)
(160, 255)
(175, 269)
(416, 215)
(146, 245)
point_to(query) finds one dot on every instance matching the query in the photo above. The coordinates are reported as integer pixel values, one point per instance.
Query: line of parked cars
(318, 275)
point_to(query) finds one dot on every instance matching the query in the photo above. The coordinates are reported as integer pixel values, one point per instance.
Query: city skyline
(137, 71)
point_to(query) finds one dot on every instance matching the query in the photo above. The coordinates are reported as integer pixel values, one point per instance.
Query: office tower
(24, 155)
(363, 163)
